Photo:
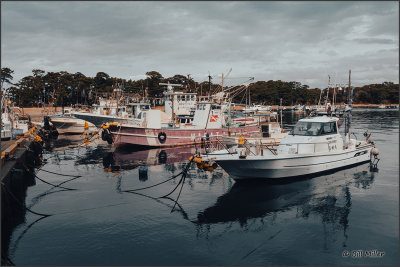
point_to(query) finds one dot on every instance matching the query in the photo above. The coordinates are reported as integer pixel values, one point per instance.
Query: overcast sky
(289, 41)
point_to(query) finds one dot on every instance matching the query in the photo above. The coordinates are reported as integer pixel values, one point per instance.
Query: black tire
(103, 136)
(162, 137)
(109, 139)
(162, 157)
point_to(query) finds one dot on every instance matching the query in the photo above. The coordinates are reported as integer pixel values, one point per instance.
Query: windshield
(314, 128)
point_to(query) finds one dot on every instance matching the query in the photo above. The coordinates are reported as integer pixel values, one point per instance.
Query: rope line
(76, 176)
(22, 205)
(173, 177)
(53, 184)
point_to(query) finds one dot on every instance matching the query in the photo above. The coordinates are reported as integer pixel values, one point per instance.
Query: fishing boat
(108, 110)
(66, 123)
(5, 127)
(151, 129)
(313, 146)
(154, 128)
(13, 124)
(256, 108)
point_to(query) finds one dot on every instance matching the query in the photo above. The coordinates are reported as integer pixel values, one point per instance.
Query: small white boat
(313, 146)
(257, 108)
(5, 127)
(68, 124)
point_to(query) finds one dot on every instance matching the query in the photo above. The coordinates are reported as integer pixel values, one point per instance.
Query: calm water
(217, 222)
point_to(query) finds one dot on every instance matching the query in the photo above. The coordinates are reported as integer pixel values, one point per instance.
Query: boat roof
(320, 119)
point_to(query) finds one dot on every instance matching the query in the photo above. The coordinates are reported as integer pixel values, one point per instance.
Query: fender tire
(162, 137)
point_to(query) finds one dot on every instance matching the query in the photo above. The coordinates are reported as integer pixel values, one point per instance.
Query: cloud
(300, 41)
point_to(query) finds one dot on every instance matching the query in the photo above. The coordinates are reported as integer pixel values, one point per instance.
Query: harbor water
(348, 217)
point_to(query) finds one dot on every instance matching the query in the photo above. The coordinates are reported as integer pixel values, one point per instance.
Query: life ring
(162, 137)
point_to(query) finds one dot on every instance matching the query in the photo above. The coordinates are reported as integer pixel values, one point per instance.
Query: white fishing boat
(13, 124)
(256, 108)
(107, 110)
(5, 127)
(313, 146)
(66, 123)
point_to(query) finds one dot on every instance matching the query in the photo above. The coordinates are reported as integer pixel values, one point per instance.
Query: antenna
(209, 83)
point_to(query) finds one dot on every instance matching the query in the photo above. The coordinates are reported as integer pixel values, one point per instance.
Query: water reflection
(327, 196)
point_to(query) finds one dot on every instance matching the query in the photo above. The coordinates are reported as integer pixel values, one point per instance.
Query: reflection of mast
(349, 103)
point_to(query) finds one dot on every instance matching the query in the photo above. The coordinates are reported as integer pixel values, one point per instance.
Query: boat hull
(71, 126)
(273, 167)
(173, 137)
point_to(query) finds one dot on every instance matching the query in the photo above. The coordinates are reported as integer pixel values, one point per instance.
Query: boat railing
(209, 144)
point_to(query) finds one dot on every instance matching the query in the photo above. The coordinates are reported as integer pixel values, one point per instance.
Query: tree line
(65, 89)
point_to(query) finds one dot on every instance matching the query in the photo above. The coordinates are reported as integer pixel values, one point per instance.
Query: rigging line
(269, 238)
(53, 184)
(183, 212)
(180, 191)
(184, 172)
(14, 247)
(36, 199)
(22, 205)
(180, 180)
(76, 176)
(173, 177)
(79, 176)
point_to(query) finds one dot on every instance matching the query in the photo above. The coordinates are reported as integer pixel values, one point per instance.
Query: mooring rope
(40, 179)
(37, 177)
(76, 176)
(142, 188)
(22, 205)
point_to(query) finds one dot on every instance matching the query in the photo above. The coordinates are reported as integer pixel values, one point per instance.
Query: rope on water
(53, 184)
(77, 176)
(22, 205)
(37, 177)
(173, 177)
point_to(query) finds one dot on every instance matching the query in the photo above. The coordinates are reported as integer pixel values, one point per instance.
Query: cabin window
(314, 128)
(307, 128)
(329, 128)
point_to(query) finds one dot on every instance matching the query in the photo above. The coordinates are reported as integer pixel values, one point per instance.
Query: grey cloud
(285, 40)
(374, 40)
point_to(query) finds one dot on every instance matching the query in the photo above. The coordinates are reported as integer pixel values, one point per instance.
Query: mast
(222, 82)
(327, 93)
(209, 84)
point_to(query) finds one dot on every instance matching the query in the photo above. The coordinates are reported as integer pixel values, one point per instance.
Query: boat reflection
(327, 196)
(126, 159)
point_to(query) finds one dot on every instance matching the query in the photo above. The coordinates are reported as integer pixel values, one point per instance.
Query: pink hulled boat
(152, 129)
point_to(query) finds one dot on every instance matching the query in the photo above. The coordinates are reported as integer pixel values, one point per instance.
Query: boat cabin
(311, 135)
(311, 128)
(136, 108)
